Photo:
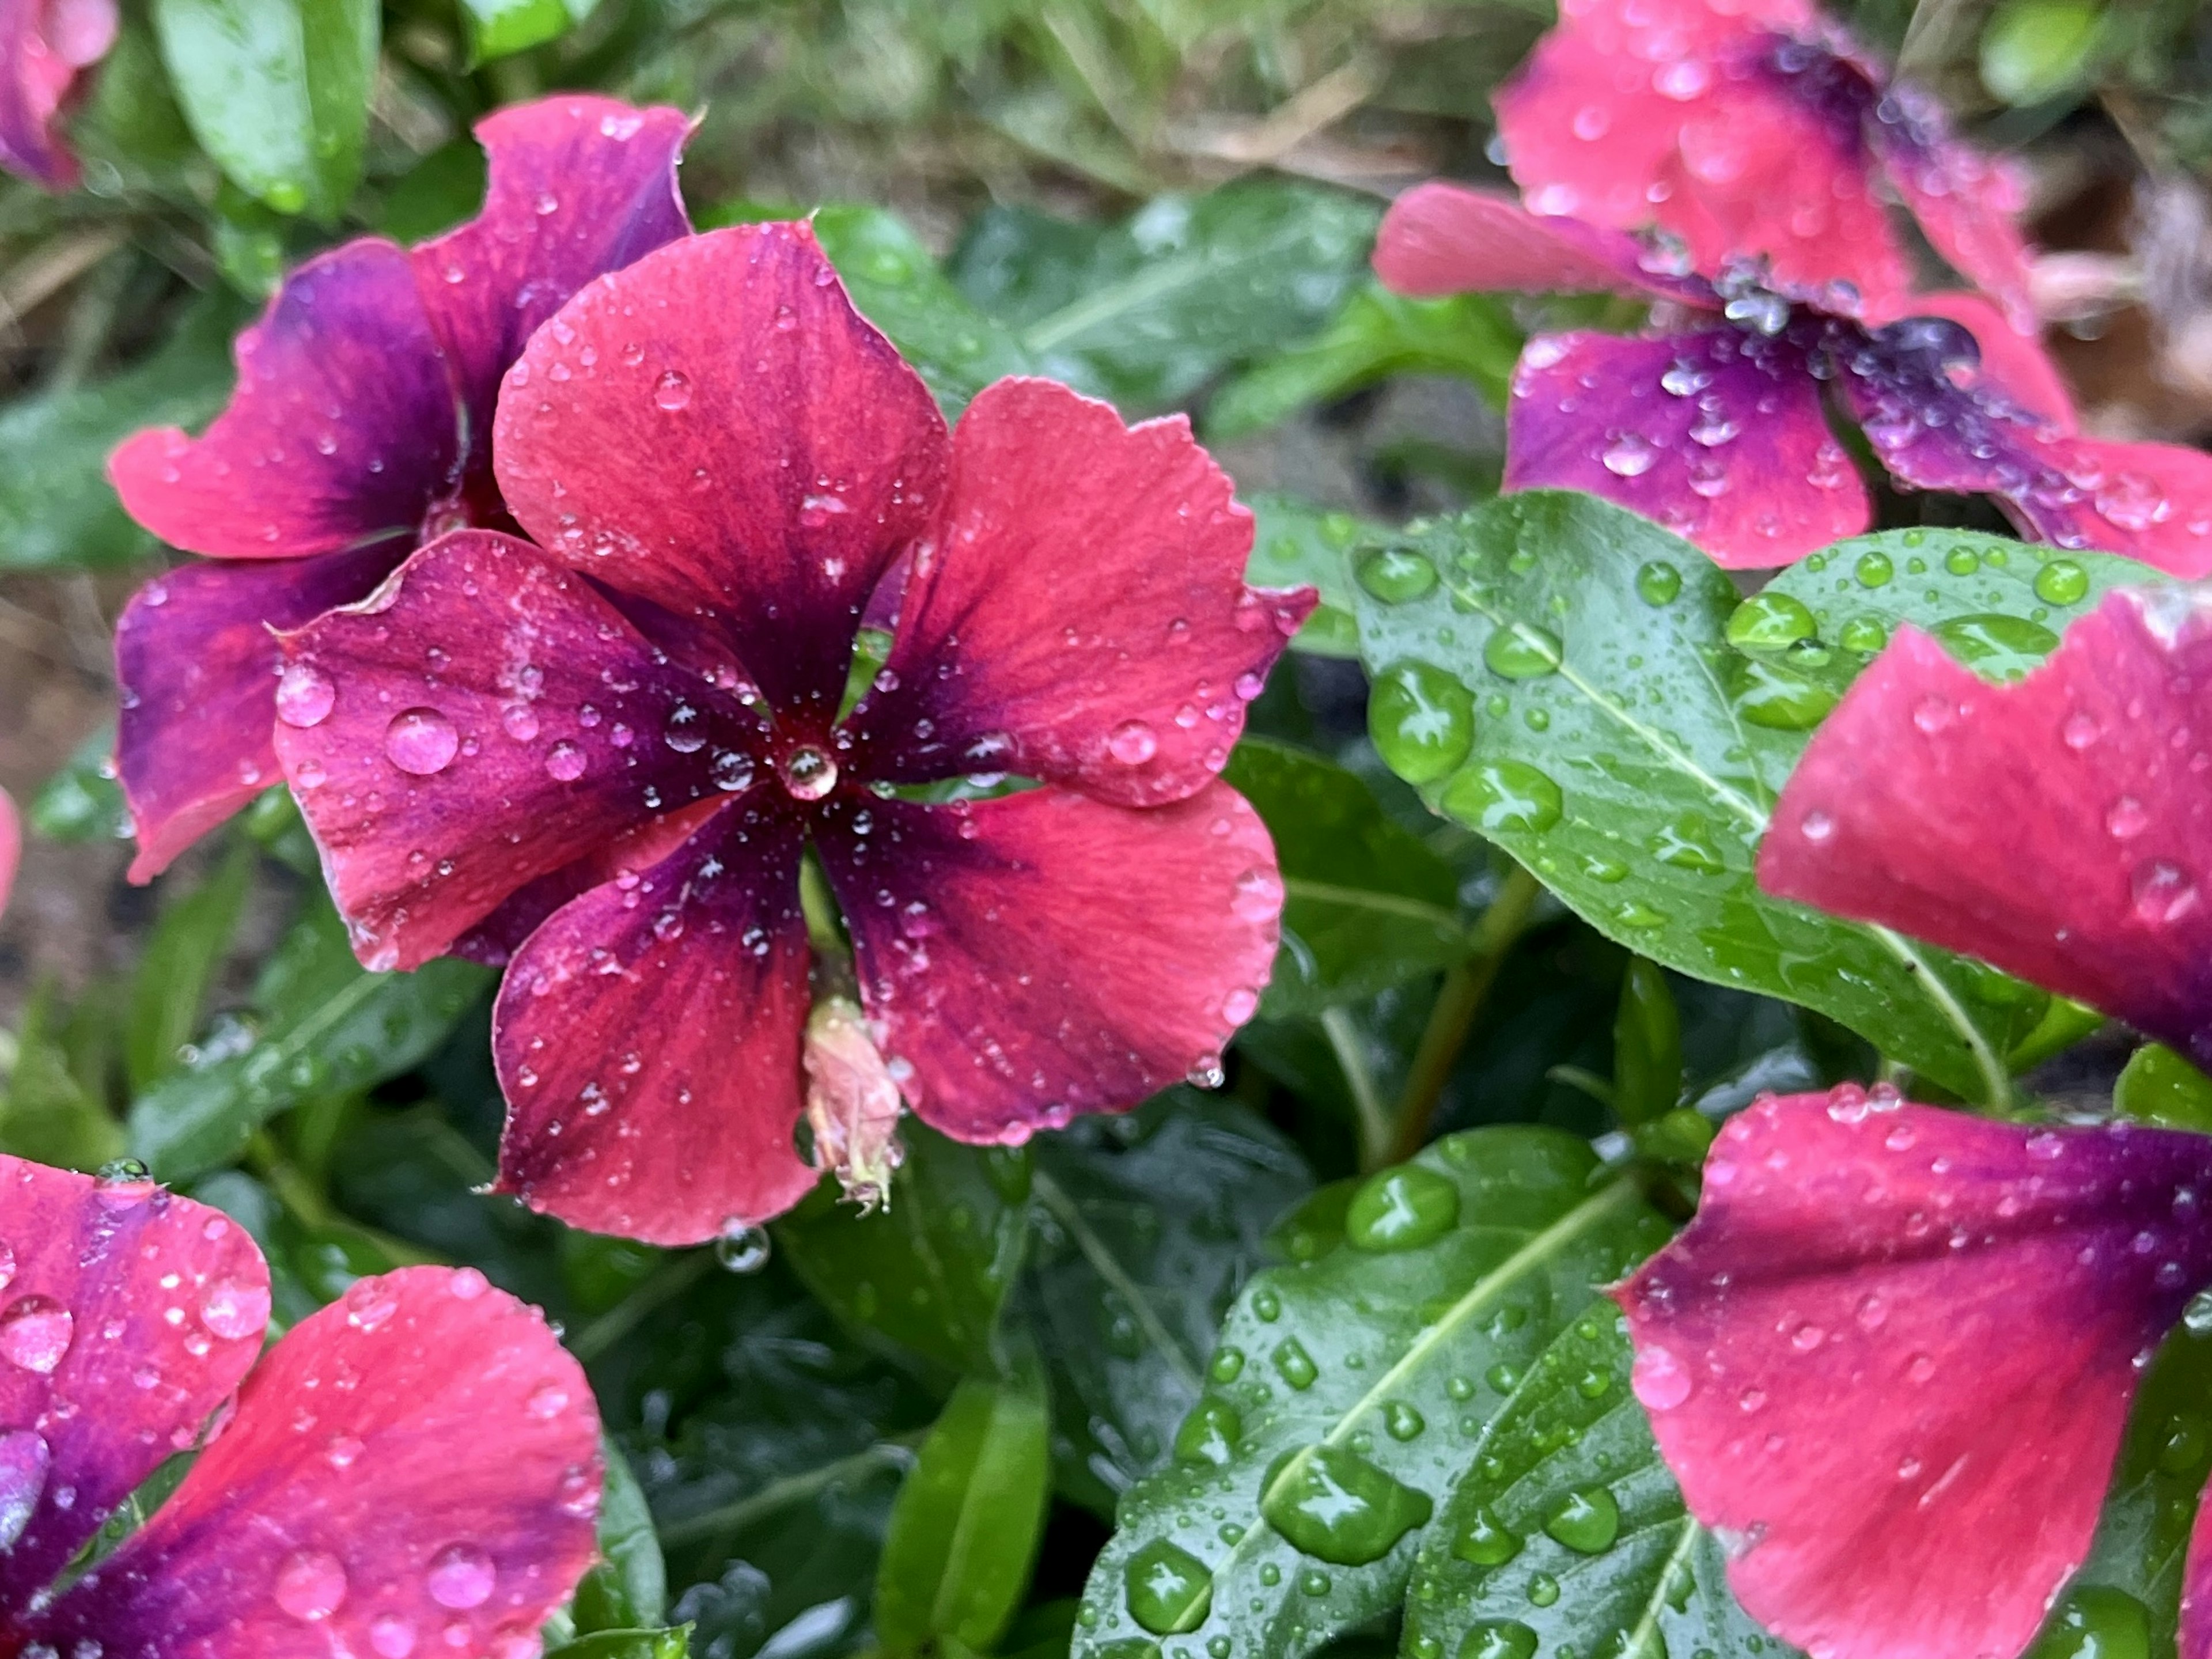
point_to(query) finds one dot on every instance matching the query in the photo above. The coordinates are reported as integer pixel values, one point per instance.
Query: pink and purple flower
(360, 427)
(627, 735)
(45, 47)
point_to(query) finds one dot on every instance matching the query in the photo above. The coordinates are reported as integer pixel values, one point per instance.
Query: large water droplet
(234, 1309)
(1422, 721)
(2163, 892)
(460, 1577)
(1772, 697)
(564, 762)
(671, 391)
(1997, 647)
(36, 1333)
(1770, 622)
(1209, 1434)
(1335, 1505)
(741, 1247)
(1504, 795)
(1168, 1588)
(311, 1585)
(305, 695)
(2061, 581)
(24, 1459)
(1397, 575)
(1132, 743)
(1658, 582)
(809, 773)
(1498, 1638)
(421, 742)
(1586, 1520)
(1522, 651)
(1293, 1364)
(1659, 1380)
(1629, 455)
(2095, 1621)
(1401, 1209)
(1687, 842)
(1485, 1541)
(1874, 570)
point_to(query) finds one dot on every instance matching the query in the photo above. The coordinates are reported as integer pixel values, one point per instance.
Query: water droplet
(1770, 622)
(1168, 1588)
(2061, 581)
(671, 390)
(1864, 635)
(1586, 1521)
(1293, 1364)
(1522, 651)
(1485, 1541)
(2095, 1621)
(1422, 721)
(235, 1309)
(36, 1333)
(311, 1585)
(24, 1459)
(1335, 1505)
(741, 1247)
(564, 762)
(460, 1577)
(1401, 1209)
(1997, 647)
(1658, 582)
(1132, 743)
(1658, 1379)
(1227, 1366)
(1874, 570)
(1209, 1434)
(1777, 700)
(390, 1636)
(1402, 1422)
(1504, 795)
(1543, 1589)
(685, 733)
(421, 742)
(305, 695)
(1396, 575)
(1687, 843)
(2163, 892)
(809, 773)
(1498, 1638)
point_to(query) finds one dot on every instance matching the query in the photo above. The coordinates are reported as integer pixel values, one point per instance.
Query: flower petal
(44, 46)
(717, 429)
(483, 720)
(414, 1469)
(1967, 203)
(648, 1037)
(1045, 954)
(2017, 363)
(198, 664)
(1717, 435)
(1080, 614)
(127, 1315)
(1442, 238)
(1891, 1360)
(1737, 139)
(579, 185)
(2057, 827)
(1937, 422)
(343, 429)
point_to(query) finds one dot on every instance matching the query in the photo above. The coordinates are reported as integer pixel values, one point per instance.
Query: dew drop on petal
(392, 1635)
(421, 742)
(520, 722)
(1132, 743)
(305, 695)
(1259, 895)
(1659, 1380)
(36, 1333)
(460, 1577)
(564, 762)
(1629, 456)
(671, 391)
(234, 1309)
(548, 1400)
(2163, 892)
(311, 1585)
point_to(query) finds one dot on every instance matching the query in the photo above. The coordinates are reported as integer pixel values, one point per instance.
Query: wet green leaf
(628, 1587)
(1298, 546)
(497, 28)
(1366, 905)
(628, 1644)
(83, 801)
(1566, 1530)
(1572, 687)
(169, 989)
(47, 1112)
(1647, 1045)
(2033, 50)
(1350, 1389)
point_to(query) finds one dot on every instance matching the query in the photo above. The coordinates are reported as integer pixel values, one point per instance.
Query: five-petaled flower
(361, 426)
(635, 726)
(413, 1470)
(45, 46)
(1896, 1336)
(1743, 143)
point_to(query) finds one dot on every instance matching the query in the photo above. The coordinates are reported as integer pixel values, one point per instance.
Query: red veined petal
(2015, 362)
(1717, 435)
(11, 846)
(127, 1315)
(45, 45)
(1079, 613)
(648, 1038)
(484, 719)
(1442, 238)
(1715, 125)
(413, 1471)
(717, 429)
(1044, 953)
(1891, 1359)
(2058, 827)
(343, 429)
(198, 663)
(579, 185)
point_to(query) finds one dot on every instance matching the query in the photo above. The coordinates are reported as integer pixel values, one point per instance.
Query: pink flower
(414, 1469)
(633, 730)
(45, 46)
(360, 428)
(1744, 144)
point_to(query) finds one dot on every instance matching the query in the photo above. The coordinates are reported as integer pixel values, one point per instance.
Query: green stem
(619, 1321)
(1461, 1000)
(1374, 1117)
(792, 1489)
(307, 1206)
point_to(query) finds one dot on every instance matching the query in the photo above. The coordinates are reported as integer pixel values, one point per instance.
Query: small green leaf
(2158, 1086)
(1565, 1528)
(629, 1589)
(83, 801)
(2033, 50)
(1647, 1045)
(1146, 1224)
(324, 1027)
(48, 1113)
(1350, 1389)
(276, 91)
(965, 1528)
(495, 29)
(931, 1269)
(629, 1644)
(1376, 335)
(1366, 906)
(1573, 689)
(169, 989)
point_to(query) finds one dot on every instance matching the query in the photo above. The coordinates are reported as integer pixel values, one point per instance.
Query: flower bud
(852, 1104)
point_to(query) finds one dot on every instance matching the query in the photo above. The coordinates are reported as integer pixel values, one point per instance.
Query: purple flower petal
(45, 46)
(1440, 238)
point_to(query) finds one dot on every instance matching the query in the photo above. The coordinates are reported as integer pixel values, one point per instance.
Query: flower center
(809, 773)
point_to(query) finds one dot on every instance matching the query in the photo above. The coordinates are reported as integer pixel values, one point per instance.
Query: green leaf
(276, 91)
(1647, 1045)
(83, 801)
(495, 29)
(168, 990)
(1366, 906)
(1566, 1531)
(1567, 688)
(1377, 334)
(2158, 1086)
(629, 1589)
(2033, 50)
(931, 1267)
(965, 1528)
(324, 1027)
(897, 286)
(1349, 1390)
(1146, 1226)
(48, 1114)
(1147, 311)
(57, 510)
(1296, 545)
(629, 1644)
